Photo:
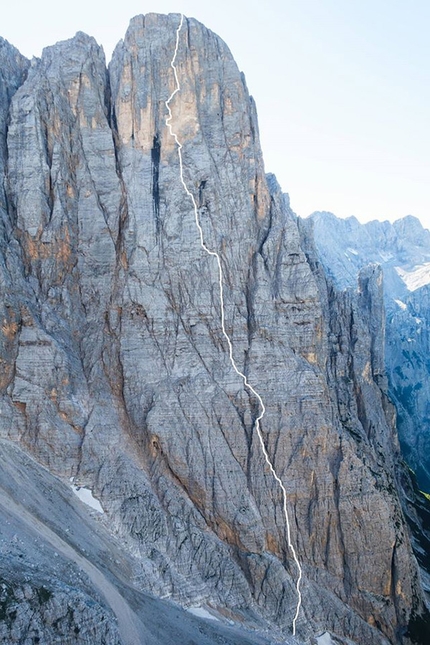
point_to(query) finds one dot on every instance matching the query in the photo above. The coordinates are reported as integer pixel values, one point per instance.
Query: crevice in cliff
(250, 309)
(251, 121)
(11, 90)
(155, 161)
(361, 409)
(121, 253)
(202, 199)
(264, 232)
(416, 507)
(335, 464)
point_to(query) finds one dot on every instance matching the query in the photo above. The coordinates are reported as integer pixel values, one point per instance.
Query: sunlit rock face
(116, 371)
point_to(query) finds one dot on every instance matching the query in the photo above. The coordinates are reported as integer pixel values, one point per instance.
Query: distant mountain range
(402, 249)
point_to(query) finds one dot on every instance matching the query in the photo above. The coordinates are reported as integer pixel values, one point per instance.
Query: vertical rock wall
(119, 375)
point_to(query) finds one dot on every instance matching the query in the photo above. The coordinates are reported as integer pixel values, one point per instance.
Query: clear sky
(342, 87)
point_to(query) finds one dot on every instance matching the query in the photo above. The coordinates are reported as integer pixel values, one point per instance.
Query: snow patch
(86, 496)
(201, 613)
(325, 639)
(386, 256)
(401, 304)
(418, 277)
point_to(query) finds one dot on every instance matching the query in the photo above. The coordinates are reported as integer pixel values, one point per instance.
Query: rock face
(116, 371)
(408, 350)
(403, 251)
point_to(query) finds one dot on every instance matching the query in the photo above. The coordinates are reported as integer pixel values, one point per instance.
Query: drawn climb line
(226, 336)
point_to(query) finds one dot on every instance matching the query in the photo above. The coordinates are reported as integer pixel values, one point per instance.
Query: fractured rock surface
(402, 249)
(116, 371)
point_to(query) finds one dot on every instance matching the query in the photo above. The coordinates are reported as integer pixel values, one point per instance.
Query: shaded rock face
(408, 367)
(116, 369)
(403, 251)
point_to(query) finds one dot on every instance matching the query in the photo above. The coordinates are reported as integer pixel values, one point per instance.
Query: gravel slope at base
(49, 538)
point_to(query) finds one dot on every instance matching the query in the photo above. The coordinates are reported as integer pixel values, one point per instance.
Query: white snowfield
(86, 496)
(386, 256)
(418, 277)
(201, 612)
(325, 639)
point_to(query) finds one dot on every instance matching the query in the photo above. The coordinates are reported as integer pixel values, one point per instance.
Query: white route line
(226, 336)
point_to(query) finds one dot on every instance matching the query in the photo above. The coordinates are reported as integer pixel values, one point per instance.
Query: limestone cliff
(402, 249)
(116, 371)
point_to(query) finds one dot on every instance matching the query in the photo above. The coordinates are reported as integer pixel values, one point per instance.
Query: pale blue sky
(342, 88)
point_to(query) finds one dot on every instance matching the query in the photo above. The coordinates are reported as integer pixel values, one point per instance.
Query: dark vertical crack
(155, 159)
(335, 465)
(10, 85)
(202, 186)
(265, 229)
(121, 254)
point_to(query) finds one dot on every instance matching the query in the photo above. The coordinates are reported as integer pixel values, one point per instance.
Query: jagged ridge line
(226, 336)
